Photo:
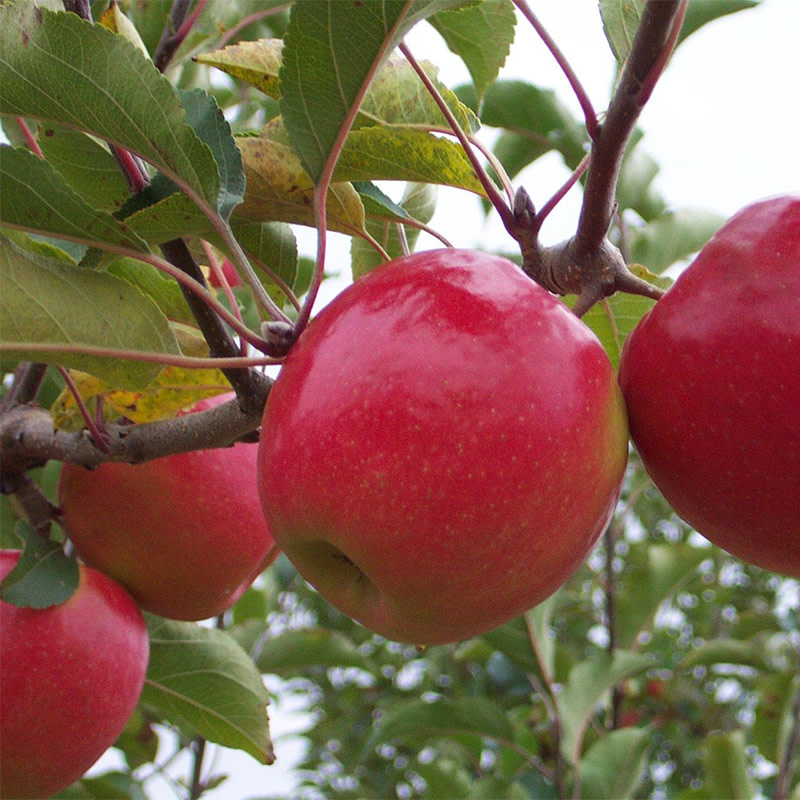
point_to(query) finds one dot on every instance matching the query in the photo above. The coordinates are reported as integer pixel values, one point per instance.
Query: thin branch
(171, 38)
(492, 193)
(27, 381)
(249, 20)
(650, 44)
(589, 114)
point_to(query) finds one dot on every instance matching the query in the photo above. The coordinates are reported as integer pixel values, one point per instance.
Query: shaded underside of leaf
(37, 198)
(481, 35)
(53, 303)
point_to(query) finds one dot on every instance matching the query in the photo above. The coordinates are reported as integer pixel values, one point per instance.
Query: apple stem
(589, 114)
(492, 192)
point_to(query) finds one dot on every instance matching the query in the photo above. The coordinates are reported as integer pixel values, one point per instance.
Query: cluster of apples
(442, 448)
(182, 537)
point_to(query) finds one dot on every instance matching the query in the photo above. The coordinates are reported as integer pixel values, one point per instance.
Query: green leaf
(538, 622)
(159, 287)
(37, 198)
(205, 117)
(728, 651)
(202, 678)
(725, 762)
(612, 767)
(323, 75)
(256, 63)
(535, 122)
(635, 184)
(418, 203)
(673, 236)
(513, 641)
(399, 154)
(620, 23)
(418, 721)
(396, 95)
(613, 318)
(292, 652)
(60, 68)
(774, 714)
(45, 302)
(588, 682)
(481, 35)
(86, 164)
(701, 12)
(43, 576)
(653, 574)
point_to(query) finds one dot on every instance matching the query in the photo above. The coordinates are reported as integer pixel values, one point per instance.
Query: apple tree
(481, 592)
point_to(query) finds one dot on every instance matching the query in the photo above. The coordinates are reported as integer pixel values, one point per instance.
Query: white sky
(723, 123)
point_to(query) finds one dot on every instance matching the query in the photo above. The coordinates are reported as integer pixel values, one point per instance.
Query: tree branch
(28, 439)
(608, 147)
(587, 264)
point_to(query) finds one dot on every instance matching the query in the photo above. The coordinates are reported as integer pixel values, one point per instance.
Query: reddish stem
(94, 426)
(589, 114)
(29, 137)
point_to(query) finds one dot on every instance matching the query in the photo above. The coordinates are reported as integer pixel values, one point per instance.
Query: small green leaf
(87, 165)
(613, 319)
(774, 713)
(612, 767)
(534, 122)
(725, 762)
(200, 677)
(540, 632)
(64, 307)
(620, 23)
(256, 63)
(673, 236)
(418, 721)
(205, 117)
(43, 576)
(653, 574)
(728, 651)
(384, 217)
(291, 652)
(481, 35)
(588, 682)
(701, 12)
(401, 154)
(279, 189)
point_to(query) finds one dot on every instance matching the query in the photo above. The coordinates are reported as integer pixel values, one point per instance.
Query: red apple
(711, 377)
(230, 273)
(184, 534)
(71, 677)
(442, 447)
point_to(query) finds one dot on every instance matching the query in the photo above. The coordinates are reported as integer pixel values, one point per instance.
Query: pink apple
(71, 677)
(184, 534)
(442, 447)
(711, 377)
(230, 273)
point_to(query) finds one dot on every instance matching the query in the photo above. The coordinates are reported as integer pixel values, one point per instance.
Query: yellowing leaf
(174, 390)
(256, 63)
(279, 189)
